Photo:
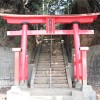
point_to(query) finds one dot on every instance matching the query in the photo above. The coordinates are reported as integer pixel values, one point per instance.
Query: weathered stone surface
(94, 65)
(6, 67)
(17, 93)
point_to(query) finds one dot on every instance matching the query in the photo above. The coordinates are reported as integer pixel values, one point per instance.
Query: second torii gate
(80, 65)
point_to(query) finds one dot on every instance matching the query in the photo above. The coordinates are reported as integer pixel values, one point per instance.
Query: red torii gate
(80, 65)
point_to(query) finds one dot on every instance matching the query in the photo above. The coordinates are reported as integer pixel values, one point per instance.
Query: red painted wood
(24, 50)
(84, 64)
(17, 65)
(50, 25)
(41, 19)
(75, 75)
(26, 68)
(43, 32)
(77, 46)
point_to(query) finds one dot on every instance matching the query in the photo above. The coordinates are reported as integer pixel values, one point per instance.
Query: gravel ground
(3, 92)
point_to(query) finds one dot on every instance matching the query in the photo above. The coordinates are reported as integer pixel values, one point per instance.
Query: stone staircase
(49, 78)
(50, 71)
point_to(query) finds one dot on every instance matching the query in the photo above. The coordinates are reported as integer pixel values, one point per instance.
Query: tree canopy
(49, 6)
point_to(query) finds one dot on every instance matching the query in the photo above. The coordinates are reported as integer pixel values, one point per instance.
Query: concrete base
(17, 93)
(89, 94)
(78, 85)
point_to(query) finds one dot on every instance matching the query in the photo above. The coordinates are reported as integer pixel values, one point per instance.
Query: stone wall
(94, 65)
(6, 67)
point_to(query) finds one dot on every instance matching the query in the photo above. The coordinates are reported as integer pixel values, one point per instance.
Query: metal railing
(51, 53)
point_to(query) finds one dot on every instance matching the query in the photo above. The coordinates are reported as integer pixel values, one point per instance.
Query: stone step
(43, 64)
(56, 62)
(48, 65)
(52, 66)
(48, 86)
(53, 59)
(51, 91)
(55, 81)
(47, 81)
(36, 81)
(60, 85)
(56, 75)
(44, 55)
(54, 78)
(57, 47)
(58, 65)
(54, 51)
(44, 61)
(48, 60)
(41, 85)
(59, 53)
(48, 72)
(39, 72)
(44, 52)
(57, 59)
(43, 48)
(48, 69)
(48, 57)
(53, 62)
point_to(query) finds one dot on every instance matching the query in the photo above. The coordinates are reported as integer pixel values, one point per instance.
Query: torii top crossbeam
(17, 19)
